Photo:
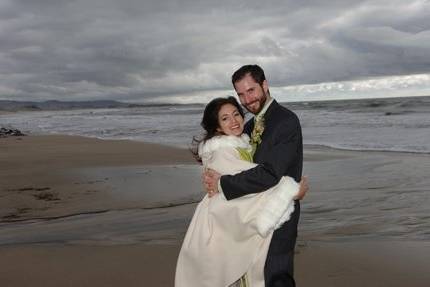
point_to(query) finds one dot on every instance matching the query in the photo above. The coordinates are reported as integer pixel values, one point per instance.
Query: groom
(279, 152)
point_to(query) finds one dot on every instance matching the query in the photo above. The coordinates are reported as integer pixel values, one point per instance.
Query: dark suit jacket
(280, 153)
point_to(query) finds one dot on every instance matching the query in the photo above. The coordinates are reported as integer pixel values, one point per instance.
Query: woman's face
(230, 122)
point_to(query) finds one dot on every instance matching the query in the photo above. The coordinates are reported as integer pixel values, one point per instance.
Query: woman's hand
(210, 180)
(303, 188)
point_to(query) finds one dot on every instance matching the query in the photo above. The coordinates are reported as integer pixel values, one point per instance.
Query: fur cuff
(278, 207)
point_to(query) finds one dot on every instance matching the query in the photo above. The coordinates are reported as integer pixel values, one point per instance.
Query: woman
(227, 241)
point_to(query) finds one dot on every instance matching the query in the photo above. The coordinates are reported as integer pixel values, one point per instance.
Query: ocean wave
(395, 125)
(370, 149)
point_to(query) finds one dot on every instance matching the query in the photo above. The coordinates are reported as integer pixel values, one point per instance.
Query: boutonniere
(257, 132)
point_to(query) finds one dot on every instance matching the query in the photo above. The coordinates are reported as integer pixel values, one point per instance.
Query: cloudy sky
(184, 50)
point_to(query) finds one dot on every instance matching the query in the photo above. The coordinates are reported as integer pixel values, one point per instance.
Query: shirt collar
(269, 100)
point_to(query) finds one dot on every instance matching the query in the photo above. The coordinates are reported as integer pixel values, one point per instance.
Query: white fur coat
(227, 239)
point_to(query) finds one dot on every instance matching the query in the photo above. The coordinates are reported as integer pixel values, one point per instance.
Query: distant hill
(60, 105)
(403, 103)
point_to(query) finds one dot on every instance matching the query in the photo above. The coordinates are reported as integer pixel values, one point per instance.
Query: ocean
(393, 124)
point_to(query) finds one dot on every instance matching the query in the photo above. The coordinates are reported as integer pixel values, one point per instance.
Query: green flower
(257, 133)
(245, 154)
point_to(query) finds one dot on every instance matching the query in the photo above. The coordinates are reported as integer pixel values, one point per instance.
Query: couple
(244, 230)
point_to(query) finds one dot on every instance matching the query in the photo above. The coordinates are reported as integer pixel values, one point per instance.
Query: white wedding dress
(228, 238)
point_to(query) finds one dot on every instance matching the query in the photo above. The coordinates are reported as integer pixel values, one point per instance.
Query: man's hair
(255, 71)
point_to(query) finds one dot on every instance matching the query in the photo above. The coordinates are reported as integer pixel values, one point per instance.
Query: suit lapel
(249, 126)
(268, 121)
(268, 116)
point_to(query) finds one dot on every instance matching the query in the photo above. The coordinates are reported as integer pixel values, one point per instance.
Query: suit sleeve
(283, 154)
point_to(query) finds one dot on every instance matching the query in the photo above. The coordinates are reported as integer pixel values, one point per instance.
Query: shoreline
(171, 145)
(326, 147)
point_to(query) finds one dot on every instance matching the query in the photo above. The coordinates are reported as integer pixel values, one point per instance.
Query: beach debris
(7, 132)
(30, 189)
(47, 196)
(42, 193)
(15, 214)
(91, 191)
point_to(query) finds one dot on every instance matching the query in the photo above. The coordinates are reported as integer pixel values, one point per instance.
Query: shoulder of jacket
(283, 113)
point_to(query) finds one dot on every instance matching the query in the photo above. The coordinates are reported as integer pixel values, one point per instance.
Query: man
(279, 152)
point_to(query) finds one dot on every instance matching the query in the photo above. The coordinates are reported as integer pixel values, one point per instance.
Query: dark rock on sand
(7, 132)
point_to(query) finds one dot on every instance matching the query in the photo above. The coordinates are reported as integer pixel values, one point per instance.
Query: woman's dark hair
(210, 122)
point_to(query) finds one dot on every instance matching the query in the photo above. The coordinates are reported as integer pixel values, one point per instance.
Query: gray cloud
(130, 49)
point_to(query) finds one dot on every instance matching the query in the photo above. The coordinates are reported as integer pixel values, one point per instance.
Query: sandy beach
(37, 179)
(65, 223)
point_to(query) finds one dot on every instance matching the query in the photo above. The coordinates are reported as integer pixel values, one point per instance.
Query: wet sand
(42, 175)
(65, 223)
(356, 264)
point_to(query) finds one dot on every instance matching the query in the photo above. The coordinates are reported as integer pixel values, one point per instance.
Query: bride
(227, 241)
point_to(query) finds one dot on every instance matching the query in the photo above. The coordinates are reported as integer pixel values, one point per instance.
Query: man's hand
(304, 187)
(210, 180)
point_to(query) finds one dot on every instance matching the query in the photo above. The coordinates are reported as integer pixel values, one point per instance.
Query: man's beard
(262, 102)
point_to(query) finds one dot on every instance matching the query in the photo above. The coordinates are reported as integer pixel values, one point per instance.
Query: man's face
(251, 95)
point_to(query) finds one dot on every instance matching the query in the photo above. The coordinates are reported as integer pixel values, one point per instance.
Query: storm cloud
(134, 50)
